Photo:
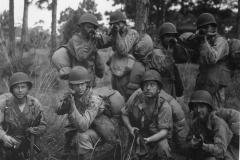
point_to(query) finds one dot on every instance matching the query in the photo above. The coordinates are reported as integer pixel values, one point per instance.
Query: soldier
(210, 135)
(82, 49)
(17, 113)
(212, 54)
(123, 43)
(151, 115)
(166, 53)
(85, 114)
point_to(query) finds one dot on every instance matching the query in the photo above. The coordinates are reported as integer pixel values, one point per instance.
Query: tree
(142, 12)
(54, 26)
(238, 20)
(25, 26)
(11, 29)
(69, 18)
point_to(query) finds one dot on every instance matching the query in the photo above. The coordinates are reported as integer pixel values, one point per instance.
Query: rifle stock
(150, 153)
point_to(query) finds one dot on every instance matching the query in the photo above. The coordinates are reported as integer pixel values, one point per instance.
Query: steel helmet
(19, 77)
(78, 75)
(151, 75)
(204, 19)
(201, 96)
(117, 16)
(167, 28)
(88, 18)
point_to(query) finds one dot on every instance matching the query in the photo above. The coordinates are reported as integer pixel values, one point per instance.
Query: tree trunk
(24, 26)
(11, 29)
(238, 21)
(163, 11)
(141, 19)
(54, 22)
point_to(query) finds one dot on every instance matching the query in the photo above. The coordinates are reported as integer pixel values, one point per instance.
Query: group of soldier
(145, 83)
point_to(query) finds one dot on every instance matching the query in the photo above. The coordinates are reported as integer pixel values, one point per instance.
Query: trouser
(160, 148)
(219, 98)
(120, 84)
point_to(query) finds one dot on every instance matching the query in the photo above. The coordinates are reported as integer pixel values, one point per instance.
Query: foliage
(183, 13)
(69, 18)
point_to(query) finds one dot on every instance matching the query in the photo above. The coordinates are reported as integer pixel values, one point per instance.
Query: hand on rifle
(9, 141)
(35, 131)
(132, 131)
(115, 29)
(202, 35)
(172, 42)
(197, 142)
(72, 102)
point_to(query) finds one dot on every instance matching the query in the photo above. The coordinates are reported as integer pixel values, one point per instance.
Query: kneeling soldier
(150, 116)
(210, 135)
(21, 119)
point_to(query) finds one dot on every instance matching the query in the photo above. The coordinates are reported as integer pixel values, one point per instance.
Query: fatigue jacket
(10, 123)
(122, 59)
(150, 120)
(212, 56)
(81, 105)
(83, 51)
(216, 134)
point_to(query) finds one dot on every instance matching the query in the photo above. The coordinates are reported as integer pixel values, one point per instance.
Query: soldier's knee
(163, 149)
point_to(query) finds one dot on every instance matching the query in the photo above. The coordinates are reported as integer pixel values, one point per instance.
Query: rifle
(28, 141)
(150, 153)
(198, 135)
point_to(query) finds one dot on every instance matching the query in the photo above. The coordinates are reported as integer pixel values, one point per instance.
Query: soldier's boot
(66, 147)
(86, 156)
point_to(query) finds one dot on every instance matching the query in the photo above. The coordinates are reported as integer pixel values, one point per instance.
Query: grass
(49, 89)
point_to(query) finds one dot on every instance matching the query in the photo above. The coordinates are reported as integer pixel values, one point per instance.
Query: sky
(35, 14)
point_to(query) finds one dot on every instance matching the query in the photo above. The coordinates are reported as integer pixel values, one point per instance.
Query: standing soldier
(82, 49)
(85, 114)
(150, 115)
(17, 114)
(123, 43)
(166, 53)
(212, 55)
(210, 135)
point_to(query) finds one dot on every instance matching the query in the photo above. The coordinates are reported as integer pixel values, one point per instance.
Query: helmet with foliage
(88, 18)
(201, 96)
(204, 19)
(151, 75)
(167, 28)
(19, 77)
(117, 16)
(78, 75)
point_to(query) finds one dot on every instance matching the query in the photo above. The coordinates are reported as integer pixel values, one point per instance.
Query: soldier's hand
(132, 130)
(72, 102)
(115, 29)
(196, 143)
(147, 140)
(9, 141)
(172, 42)
(35, 130)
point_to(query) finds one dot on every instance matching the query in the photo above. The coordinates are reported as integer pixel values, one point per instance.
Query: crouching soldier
(82, 50)
(210, 135)
(21, 119)
(88, 114)
(149, 117)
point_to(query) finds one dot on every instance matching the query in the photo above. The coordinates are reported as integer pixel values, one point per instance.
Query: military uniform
(217, 136)
(150, 120)
(122, 59)
(81, 50)
(164, 61)
(212, 57)
(11, 123)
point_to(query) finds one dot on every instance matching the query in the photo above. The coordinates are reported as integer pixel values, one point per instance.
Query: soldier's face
(20, 90)
(166, 37)
(80, 88)
(150, 89)
(88, 27)
(201, 110)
